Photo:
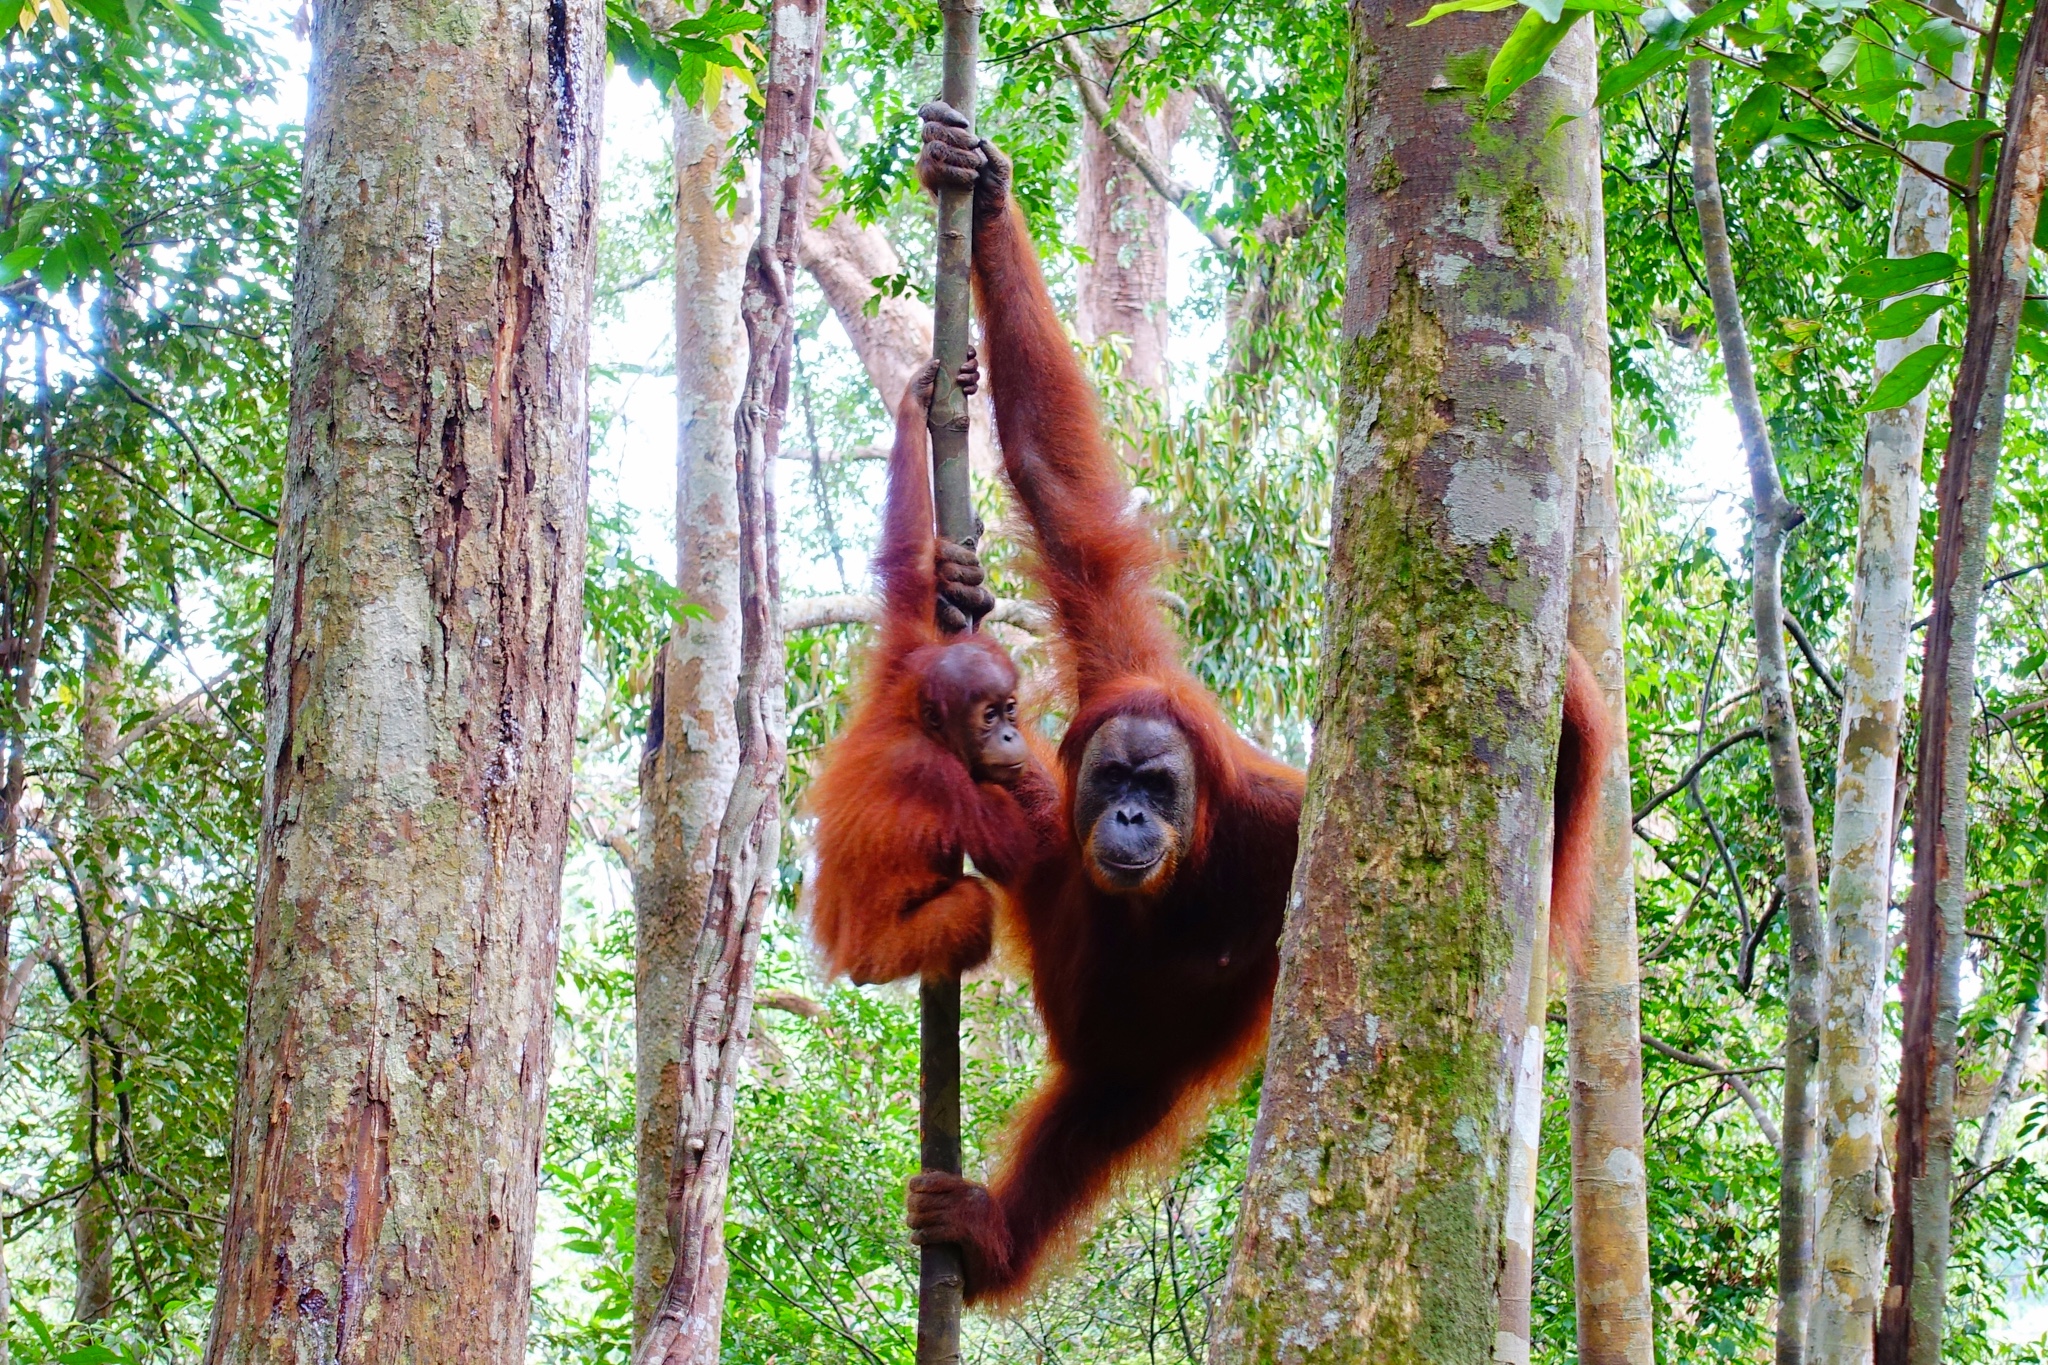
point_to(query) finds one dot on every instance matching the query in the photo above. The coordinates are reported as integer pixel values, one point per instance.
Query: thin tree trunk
(2024, 1025)
(98, 859)
(686, 1327)
(693, 746)
(1854, 1200)
(1910, 1322)
(1772, 522)
(891, 333)
(1377, 1194)
(424, 644)
(29, 622)
(1603, 984)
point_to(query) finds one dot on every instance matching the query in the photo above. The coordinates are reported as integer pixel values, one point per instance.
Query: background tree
(423, 653)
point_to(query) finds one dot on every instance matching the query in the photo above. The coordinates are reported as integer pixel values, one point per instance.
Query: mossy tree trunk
(425, 632)
(1373, 1219)
(1854, 1202)
(693, 742)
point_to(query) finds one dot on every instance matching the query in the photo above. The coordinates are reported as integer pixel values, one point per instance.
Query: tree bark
(1603, 984)
(1910, 1321)
(1377, 1194)
(686, 1327)
(1525, 1152)
(424, 641)
(1772, 521)
(1854, 1201)
(1120, 222)
(693, 746)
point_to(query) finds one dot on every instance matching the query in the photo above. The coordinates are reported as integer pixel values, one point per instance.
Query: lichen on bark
(1373, 1215)
(424, 641)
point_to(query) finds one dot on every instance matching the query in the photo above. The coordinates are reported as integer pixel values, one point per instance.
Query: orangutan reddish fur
(1153, 1003)
(896, 807)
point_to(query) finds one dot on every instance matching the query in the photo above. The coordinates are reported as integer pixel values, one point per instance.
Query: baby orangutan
(933, 768)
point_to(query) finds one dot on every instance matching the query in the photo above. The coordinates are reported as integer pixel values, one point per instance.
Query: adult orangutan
(1153, 920)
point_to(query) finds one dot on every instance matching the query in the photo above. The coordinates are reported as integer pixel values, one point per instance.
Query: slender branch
(1989, 584)
(1820, 670)
(1019, 53)
(1692, 772)
(1157, 174)
(1733, 1075)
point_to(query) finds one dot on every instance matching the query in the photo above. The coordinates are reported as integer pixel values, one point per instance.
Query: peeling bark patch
(362, 1213)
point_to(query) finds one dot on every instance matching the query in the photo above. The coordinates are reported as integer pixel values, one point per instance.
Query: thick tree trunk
(1120, 222)
(1603, 990)
(424, 644)
(686, 1327)
(1910, 1321)
(1854, 1201)
(693, 746)
(1772, 522)
(1377, 1195)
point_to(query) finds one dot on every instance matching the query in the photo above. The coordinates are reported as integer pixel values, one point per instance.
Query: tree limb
(1692, 772)
(1157, 174)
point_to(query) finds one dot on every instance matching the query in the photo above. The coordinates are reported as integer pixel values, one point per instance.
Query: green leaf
(1618, 82)
(1522, 57)
(1903, 318)
(1461, 7)
(1955, 134)
(1814, 132)
(1752, 121)
(1869, 93)
(2031, 663)
(1794, 69)
(1713, 18)
(1880, 277)
(1967, 157)
(1908, 379)
(1837, 58)
(1876, 62)
(19, 262)
(90, 1355)
(1937, 40)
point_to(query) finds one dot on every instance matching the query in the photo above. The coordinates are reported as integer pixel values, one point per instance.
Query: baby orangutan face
(970, 706)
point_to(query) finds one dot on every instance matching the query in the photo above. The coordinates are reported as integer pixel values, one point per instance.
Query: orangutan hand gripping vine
(1153, 921)
(933, 764)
